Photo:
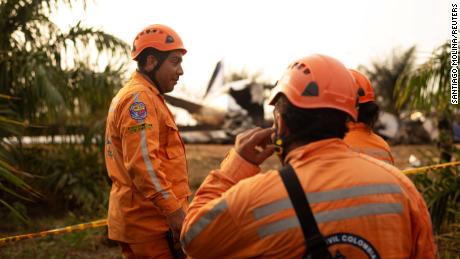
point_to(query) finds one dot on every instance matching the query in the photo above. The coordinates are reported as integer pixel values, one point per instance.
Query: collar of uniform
(138, 76)
(316, 148)
(359, 126)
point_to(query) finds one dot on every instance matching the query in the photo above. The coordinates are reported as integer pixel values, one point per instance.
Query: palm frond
(428, 87)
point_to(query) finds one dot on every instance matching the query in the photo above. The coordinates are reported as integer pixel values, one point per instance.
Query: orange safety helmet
(364, 87)
(318, 81)
(157, 36)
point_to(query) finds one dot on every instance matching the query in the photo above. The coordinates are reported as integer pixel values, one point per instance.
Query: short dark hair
(312, 124)
(368, 113)
(142, 57)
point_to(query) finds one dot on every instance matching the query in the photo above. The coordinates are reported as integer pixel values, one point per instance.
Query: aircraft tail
(217, 78)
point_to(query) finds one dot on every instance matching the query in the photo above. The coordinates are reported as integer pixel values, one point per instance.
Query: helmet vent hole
(361, 92)
(311, 89)
(306, 71)
(169, 39)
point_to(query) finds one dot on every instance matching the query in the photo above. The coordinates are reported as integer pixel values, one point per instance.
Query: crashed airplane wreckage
(225, 110)
(239, 107)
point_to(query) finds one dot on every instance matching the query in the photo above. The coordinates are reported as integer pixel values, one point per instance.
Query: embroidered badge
(138, 111)
(137, 128)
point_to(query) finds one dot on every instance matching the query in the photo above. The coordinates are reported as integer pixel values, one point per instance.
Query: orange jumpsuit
(364, 207)
(363, 140)
(145, 159)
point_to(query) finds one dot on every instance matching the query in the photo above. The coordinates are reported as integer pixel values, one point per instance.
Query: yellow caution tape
(103, 222)
(430, 167)
(58, 231)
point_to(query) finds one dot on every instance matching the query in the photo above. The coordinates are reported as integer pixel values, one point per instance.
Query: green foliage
(91, 243)
(384, 76)
(72, 177)
(50, 70)
(441, 192)
(59, 89)
(36, 60)
(12, 184)
(427, 88)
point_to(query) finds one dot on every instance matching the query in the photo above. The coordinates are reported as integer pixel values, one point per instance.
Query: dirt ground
(201, 160)
(204, 158)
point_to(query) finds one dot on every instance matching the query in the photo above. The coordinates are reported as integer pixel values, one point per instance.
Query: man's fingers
(266, 152)
(249, 132)
(260, 135)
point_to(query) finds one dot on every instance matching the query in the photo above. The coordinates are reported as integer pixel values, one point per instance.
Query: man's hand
(175, 221)
(254, 145)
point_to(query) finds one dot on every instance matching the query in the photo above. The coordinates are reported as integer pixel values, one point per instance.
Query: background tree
(427, 88)
(57, 83)
(385, 74)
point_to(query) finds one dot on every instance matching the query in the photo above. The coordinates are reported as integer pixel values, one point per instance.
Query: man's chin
(169, 89)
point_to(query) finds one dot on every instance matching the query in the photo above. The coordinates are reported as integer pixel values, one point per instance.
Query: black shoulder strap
(315, 243)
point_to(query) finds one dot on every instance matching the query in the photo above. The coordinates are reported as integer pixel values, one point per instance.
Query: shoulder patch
(138, 111)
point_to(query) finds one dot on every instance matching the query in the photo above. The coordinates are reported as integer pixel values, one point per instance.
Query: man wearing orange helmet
(360, 207)
(144, 153)
(360, 136)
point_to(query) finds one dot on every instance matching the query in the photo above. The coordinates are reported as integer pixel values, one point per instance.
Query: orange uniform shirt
(145, 159)
(363, 140)
(364, 207)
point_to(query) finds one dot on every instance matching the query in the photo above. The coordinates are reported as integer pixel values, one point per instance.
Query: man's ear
(150, 63)
(281, 124)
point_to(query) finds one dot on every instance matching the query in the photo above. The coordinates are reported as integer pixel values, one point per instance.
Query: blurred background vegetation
(51, 85)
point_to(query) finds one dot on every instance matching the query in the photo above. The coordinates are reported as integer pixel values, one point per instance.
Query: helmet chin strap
(282, 142)
(161, 57)
(152, 77)
(280, 146)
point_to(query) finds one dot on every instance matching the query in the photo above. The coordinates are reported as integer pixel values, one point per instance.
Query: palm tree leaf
(14, 211)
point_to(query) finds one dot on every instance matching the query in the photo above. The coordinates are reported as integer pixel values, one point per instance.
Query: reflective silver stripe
(272, 208)
(334, 195)
(136, 97)
(147, 161)
(340, 194)
(149, 165)
(278, 226)
(359, 211)
(203, 222)
(333, 215)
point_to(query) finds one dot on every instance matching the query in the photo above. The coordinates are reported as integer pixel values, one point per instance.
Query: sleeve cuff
(167, 206)
(237, 168)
